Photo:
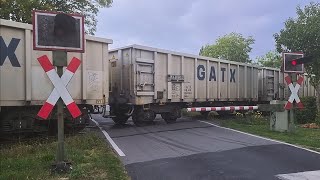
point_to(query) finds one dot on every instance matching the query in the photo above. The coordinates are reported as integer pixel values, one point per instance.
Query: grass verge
(304, 137)
(90, 156)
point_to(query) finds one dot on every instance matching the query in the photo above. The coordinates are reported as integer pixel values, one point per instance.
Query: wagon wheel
(138, 117)
(171, 117)
(149, 115)
(142, 117)
(120, 119)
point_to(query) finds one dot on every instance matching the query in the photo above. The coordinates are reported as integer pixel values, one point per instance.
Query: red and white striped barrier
(60, 89)
(226, 108)
(294, 92)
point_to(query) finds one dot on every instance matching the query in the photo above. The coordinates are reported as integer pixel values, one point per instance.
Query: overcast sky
(186, 25)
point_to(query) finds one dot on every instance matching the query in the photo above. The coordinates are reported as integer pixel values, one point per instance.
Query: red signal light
(294, 62)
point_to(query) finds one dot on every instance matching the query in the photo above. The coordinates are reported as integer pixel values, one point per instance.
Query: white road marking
(113, 144)
(281, 142)
(307, 175)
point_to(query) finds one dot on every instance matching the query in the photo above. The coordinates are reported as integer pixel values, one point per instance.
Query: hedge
(309, 113)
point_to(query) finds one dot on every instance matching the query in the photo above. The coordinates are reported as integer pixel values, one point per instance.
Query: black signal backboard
(45, 37)
(288, 57)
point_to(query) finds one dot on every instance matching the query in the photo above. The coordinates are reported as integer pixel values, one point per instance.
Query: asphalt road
(191, 149)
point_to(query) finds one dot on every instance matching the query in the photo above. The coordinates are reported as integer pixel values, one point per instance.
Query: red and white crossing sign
(60, 89)
(294, 93)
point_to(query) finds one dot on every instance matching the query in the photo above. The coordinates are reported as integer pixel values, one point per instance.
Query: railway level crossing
(293, 64)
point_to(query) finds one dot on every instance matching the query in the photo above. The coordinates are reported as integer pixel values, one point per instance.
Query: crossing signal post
(293, 64)
(59, 33)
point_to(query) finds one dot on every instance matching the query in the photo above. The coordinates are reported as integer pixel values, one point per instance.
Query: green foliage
(251, 118)
(317, 121)
(21, 10)
(308, 114)
(271, 59)
(233, 47)
(303, 34)
(212, 115)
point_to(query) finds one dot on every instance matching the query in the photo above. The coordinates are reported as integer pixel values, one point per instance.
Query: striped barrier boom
(226, 108)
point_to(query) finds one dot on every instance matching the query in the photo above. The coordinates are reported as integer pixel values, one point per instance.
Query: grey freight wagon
(146, 81)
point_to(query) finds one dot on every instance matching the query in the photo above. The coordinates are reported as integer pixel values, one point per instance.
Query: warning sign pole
(60, 81)
(60, 155)
(60, 60)
(67, 35)
(293, 64)
(293, 77)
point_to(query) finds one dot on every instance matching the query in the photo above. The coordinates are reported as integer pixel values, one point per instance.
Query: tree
(233, 47)
(303, 34)
(21, 10)
(271, 59)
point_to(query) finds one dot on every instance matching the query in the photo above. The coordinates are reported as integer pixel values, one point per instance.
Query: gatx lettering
(9, 51)
(201, 73)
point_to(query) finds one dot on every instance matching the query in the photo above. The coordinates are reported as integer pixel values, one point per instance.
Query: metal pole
(60, 60)
(291, 120)
(60, 153)
(293, 77)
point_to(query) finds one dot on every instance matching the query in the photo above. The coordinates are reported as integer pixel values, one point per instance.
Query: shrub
(317, 121)
(309, 113)
(251, 118)
(211, 115)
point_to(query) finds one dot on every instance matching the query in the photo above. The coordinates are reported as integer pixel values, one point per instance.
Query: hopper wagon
(146, 81)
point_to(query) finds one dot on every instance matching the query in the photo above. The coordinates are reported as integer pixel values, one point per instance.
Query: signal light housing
(58, 31)
(303, 60)
(292, 62)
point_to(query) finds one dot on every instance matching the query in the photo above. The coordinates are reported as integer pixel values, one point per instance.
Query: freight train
(146, 81)
(134, 81)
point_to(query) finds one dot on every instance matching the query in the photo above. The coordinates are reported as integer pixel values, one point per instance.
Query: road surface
(192, 149)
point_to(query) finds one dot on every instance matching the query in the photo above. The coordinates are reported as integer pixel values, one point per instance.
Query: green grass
(90, 156)
(308, 138)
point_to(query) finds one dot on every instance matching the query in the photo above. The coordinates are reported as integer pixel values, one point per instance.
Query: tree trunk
(318, 97)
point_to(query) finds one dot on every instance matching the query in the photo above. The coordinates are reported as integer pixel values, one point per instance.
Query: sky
(186, 25)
